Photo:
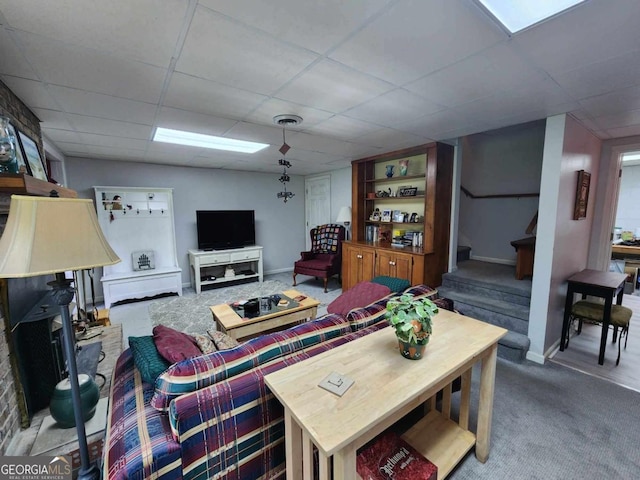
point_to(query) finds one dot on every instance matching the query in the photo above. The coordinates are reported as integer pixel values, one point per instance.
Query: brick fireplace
(10, 389)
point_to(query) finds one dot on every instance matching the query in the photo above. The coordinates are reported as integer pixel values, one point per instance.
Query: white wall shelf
(134, 219)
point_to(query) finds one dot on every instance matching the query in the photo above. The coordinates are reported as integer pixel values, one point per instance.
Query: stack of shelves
(430, 173)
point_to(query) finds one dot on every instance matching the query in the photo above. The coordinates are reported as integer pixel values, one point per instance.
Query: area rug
(191, 314)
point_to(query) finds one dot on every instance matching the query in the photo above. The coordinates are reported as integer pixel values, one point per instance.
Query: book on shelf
(384, 233)
(388, 456)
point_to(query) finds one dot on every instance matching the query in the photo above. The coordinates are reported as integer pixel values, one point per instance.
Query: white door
(317, 203)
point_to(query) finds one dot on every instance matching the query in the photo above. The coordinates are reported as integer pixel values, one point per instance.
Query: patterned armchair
(325, 257)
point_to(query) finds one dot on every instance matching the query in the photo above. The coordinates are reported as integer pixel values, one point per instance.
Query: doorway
(317, 203)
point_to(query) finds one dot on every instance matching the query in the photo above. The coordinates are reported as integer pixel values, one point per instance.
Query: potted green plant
(412, 319)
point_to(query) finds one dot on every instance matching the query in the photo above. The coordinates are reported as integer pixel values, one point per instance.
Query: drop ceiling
(367, 76)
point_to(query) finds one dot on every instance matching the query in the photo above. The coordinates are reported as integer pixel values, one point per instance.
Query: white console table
(208, 267)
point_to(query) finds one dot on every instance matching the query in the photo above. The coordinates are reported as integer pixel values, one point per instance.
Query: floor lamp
(45, 236)
(344, 216)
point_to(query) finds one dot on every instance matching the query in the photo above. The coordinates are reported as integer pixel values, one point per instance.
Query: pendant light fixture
(285, 121)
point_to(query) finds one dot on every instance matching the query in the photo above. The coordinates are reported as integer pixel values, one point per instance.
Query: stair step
(507, 315)
(514, 347)
(486, 289)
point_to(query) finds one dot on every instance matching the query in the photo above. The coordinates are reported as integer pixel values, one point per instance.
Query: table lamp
(344, 216)
(46, 236)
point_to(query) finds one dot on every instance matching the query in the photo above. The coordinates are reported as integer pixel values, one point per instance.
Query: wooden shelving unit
(431, 173)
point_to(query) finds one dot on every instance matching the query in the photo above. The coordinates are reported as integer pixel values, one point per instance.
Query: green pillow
(147, 359)
(394, 284)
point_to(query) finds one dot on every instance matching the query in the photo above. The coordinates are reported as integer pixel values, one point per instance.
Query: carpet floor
(191, 313)
(551, 422)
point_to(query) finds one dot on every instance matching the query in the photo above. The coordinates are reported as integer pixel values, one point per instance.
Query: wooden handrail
(502, 195)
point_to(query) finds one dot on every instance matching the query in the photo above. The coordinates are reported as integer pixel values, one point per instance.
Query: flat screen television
(224, 229)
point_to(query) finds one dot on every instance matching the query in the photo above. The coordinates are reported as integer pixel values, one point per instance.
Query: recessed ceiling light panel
(520, 14)
(192, 139)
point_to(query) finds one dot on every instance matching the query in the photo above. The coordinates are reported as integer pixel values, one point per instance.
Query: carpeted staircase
(491, 293)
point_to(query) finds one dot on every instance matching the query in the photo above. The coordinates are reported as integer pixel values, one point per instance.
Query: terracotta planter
(412, 351)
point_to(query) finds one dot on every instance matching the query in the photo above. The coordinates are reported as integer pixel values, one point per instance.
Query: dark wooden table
(605, 285)
(525, 252)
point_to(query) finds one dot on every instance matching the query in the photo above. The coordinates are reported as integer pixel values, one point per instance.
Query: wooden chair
(325, 257)
(593, 312)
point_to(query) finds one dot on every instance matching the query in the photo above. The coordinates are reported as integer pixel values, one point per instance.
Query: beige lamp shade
(344, 215)
(51, 235)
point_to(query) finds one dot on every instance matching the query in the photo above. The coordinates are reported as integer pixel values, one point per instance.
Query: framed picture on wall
(32, 154)
(582, 195)
(22, 163)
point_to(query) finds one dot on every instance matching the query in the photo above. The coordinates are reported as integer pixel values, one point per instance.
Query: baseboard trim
(279, 270)
(536, 357)
(492, 260)
(541, 359)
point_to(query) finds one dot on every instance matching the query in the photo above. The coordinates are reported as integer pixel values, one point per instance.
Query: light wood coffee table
(229, 322)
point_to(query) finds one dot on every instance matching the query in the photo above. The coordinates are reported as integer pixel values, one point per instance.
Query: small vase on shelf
(404, 165)
(8, 162)
(389, 171)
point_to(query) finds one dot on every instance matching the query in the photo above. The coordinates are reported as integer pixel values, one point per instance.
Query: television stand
(207, 264)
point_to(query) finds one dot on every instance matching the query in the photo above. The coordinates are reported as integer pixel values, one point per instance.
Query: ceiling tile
(602, 77)
(31, 92)
(102, 126)
(430, 125)
(53, 119)
(613, 102)
(259, 133)
(144, 30)
(342, 127)
(13, 61)
(205, 96)
(102, 106)
(407, 41)
(616, 120)
(107, 141)
(389, 138)
(590, 33)
(317, 26)
(193, 121)
(629, 131)
(333, 87)
(393, 108)
(266, 111)
(72, 149)
(221, 50)
(58, 136)
(85, 69)
(476, 77)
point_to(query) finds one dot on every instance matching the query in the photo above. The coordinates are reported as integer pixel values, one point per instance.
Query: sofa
(211, 415)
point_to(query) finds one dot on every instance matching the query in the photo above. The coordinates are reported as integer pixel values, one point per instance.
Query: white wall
(279, 226)
(504, 161)
(562, 245)
(628, 213)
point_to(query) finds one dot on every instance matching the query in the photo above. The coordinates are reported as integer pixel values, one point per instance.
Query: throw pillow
(146, 358)
(394, 284)
(205, 343)
(222, 340)
(360, 295)
(174, 345)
